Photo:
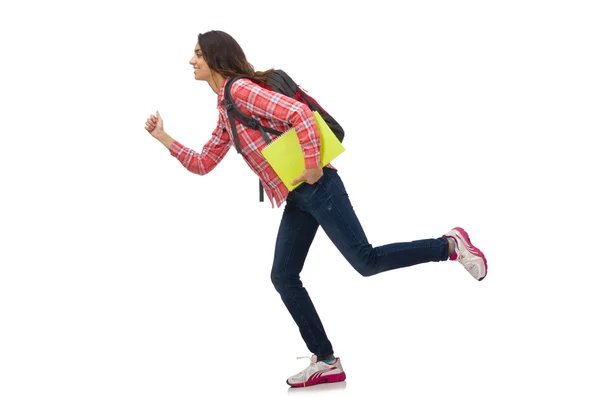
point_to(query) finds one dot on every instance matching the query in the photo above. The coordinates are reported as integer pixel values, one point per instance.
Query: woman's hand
(309, 175)
(154, 125)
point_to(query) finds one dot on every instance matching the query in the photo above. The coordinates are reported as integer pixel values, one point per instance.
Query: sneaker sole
(324, 379)
(474, 249)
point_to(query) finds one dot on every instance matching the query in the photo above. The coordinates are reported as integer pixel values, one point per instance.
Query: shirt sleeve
(253, 99)
(212, 153)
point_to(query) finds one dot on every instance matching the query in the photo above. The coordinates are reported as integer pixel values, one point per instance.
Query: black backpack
(278, 81)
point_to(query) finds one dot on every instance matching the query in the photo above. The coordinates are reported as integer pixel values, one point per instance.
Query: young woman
(321, 201)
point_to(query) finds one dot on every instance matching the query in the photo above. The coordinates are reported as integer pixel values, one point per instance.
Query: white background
(122, 274)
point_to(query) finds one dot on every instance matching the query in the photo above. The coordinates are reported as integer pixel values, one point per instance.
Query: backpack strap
(261, 192)
(233, 113)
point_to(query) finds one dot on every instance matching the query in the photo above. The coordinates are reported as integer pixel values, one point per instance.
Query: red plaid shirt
(271, 109)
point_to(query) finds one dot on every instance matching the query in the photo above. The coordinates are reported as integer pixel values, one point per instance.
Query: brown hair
(225, 56)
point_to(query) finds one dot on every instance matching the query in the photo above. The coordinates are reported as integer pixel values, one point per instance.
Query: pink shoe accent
(472, 249)
(316, 379)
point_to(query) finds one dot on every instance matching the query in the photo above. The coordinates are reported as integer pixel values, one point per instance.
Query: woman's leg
(328, 202)
(296, 233)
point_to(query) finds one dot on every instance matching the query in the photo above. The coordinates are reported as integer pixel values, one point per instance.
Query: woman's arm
(212, 153)
(199, 163)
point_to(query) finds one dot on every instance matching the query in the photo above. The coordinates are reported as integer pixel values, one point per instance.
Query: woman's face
(201, 69)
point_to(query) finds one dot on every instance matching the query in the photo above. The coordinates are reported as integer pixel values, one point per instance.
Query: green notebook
(285, 154)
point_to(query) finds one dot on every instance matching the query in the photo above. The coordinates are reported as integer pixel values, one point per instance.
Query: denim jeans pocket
(306, 191)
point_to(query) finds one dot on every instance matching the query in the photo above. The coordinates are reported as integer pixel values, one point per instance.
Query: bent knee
(365, 269)
(366, 272)
(283, 282)
(277, 280)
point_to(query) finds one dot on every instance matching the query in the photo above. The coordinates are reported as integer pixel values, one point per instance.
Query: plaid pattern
(271, 109)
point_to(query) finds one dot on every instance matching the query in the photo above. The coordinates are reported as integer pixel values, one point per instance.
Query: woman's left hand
(309, 175)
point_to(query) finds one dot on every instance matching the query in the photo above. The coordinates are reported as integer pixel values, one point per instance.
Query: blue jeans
(326, 204)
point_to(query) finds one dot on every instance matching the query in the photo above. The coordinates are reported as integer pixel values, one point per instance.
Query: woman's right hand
(154, 125)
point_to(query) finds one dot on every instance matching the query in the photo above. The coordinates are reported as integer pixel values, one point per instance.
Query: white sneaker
(467, 254)
(318, 372)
